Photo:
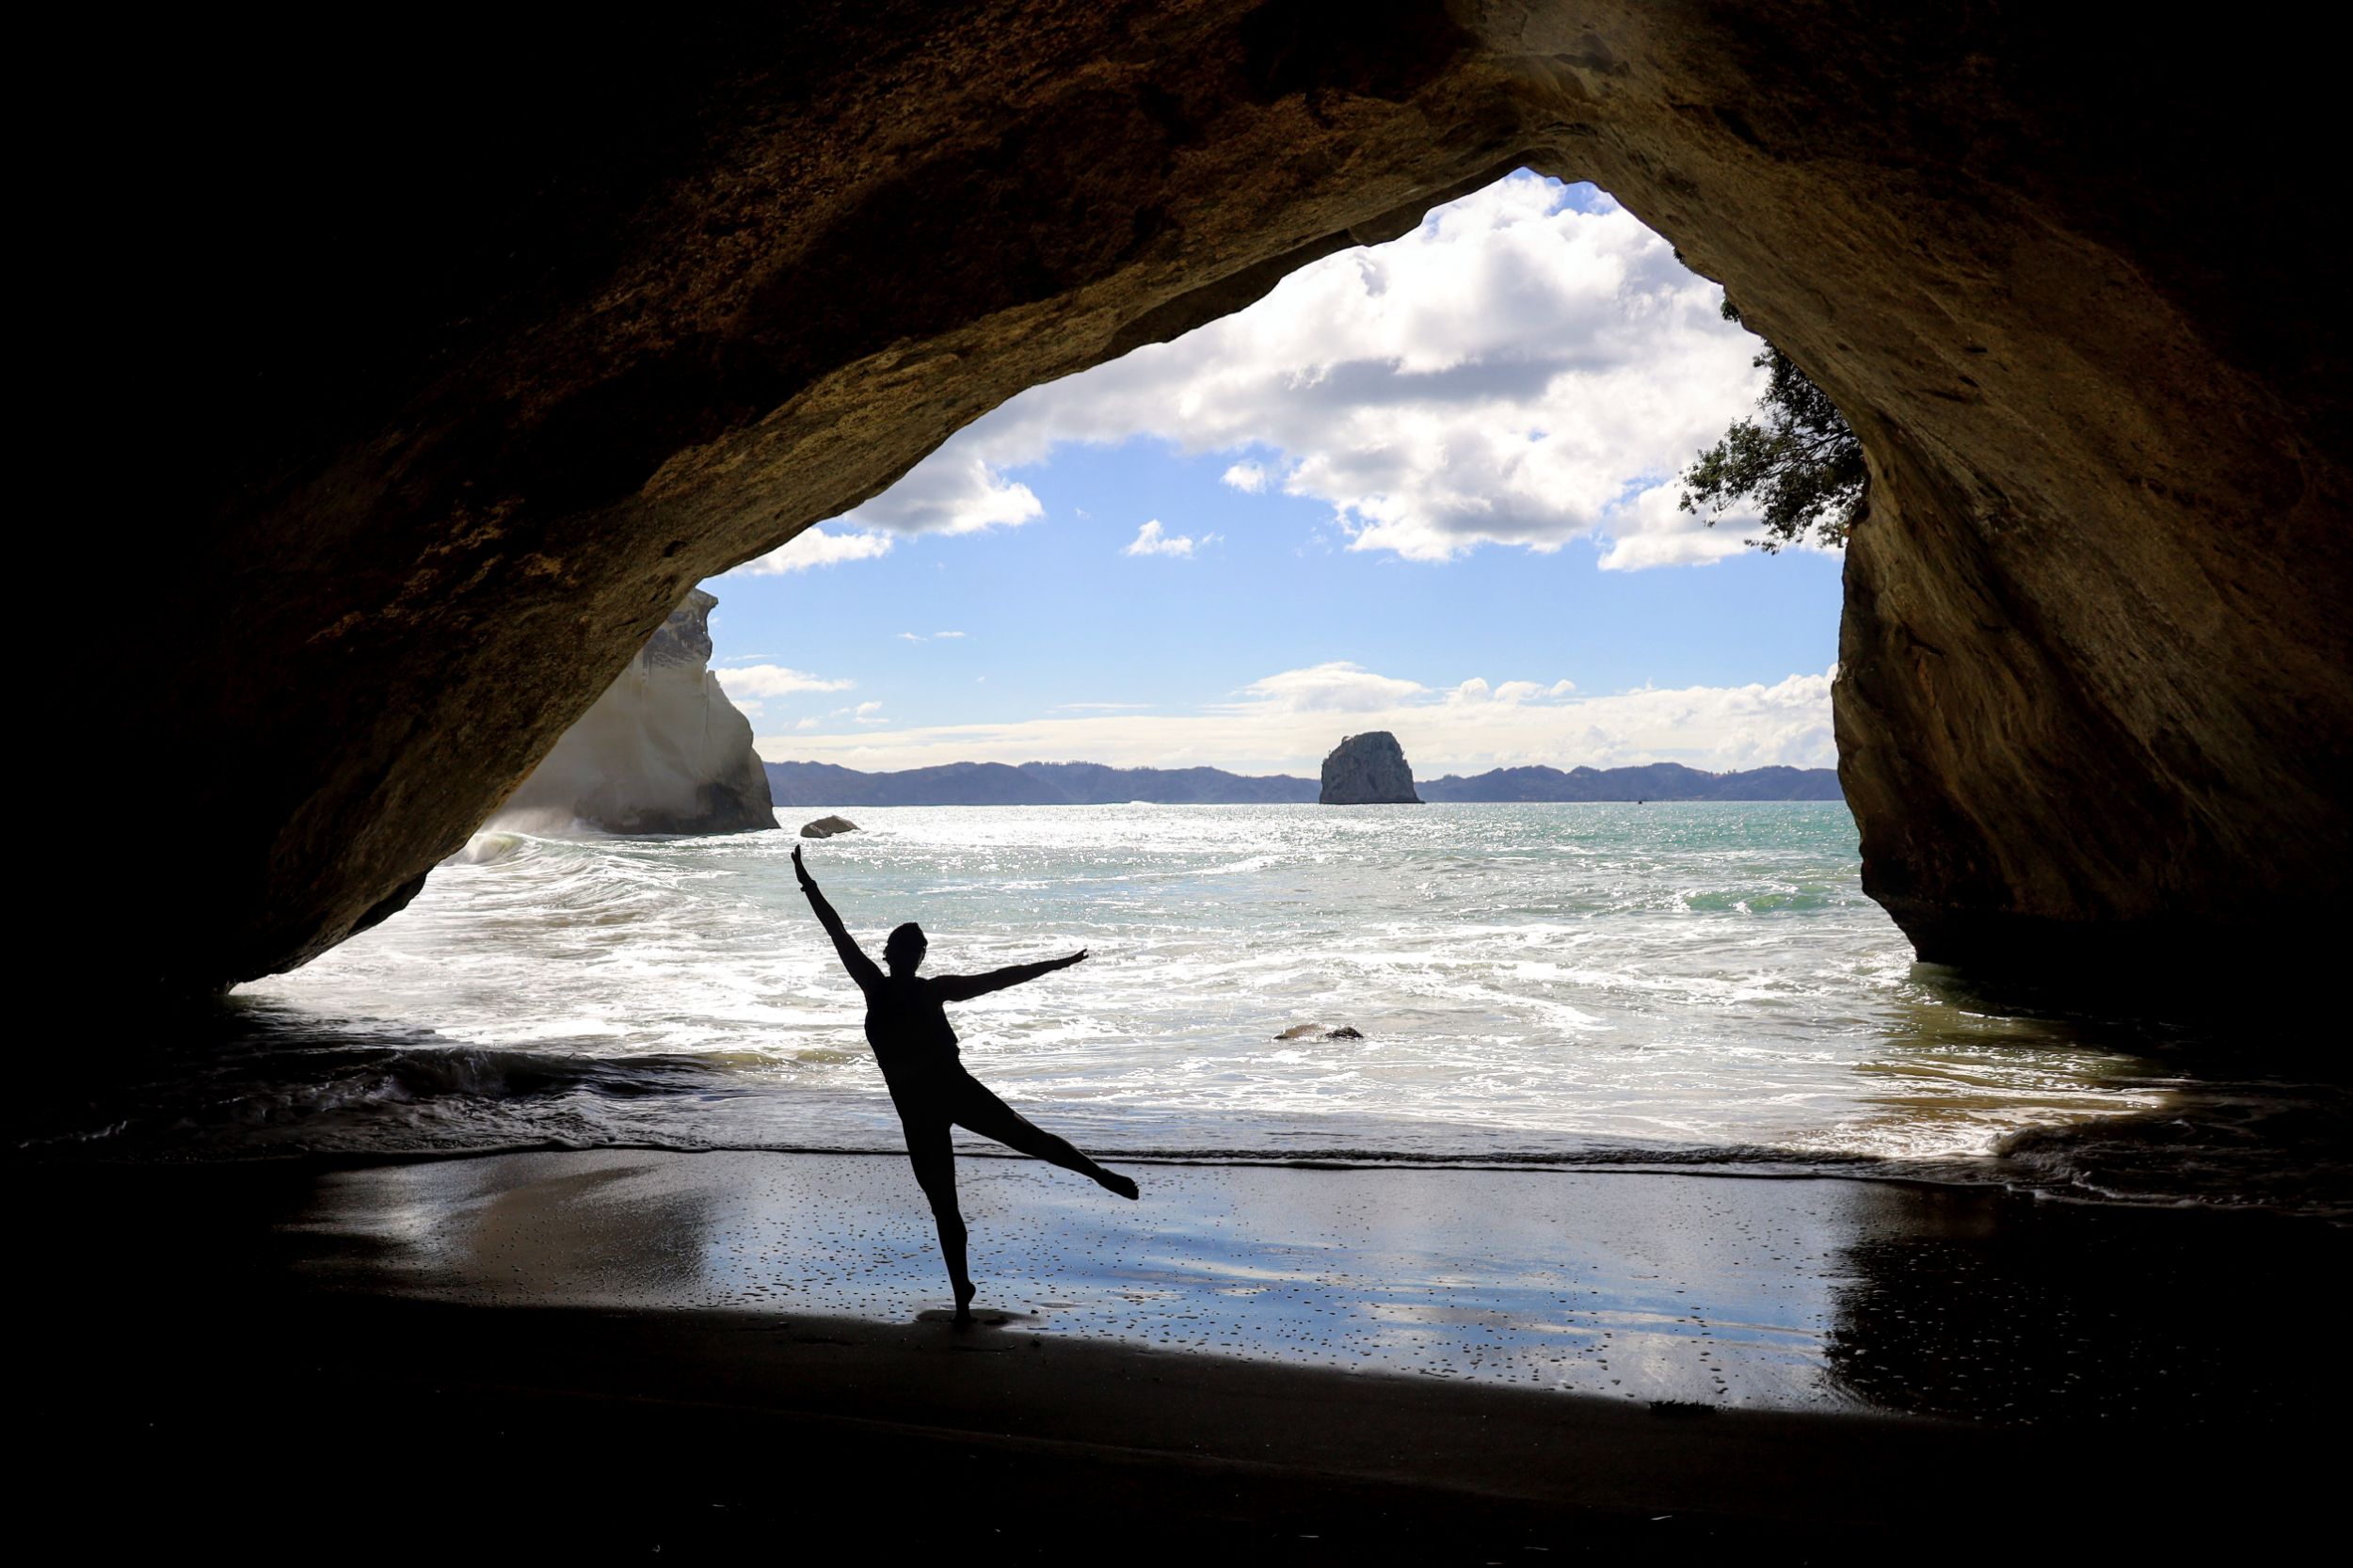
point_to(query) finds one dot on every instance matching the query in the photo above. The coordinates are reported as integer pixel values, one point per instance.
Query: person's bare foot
(966, 1291)
(1124, 1185)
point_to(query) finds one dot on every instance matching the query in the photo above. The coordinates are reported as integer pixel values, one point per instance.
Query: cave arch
(500, 348)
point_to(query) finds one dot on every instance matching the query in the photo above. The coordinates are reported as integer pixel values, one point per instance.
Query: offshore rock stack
(1367, 770)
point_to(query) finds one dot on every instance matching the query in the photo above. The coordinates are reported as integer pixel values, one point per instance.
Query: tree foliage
(1798, 463)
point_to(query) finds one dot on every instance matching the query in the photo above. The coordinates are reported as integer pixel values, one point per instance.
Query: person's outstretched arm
(862, 969)
(962, 988)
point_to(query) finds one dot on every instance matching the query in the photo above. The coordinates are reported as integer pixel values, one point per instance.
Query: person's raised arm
(963, 987)
(862, 969)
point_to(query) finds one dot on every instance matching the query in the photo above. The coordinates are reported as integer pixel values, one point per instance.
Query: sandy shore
(714, 1353)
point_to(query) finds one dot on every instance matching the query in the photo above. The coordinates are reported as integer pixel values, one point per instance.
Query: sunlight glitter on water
(1546, 980)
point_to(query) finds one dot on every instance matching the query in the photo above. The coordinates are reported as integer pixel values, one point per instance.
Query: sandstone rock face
(1367, 770)
(661, 751)
(454, 404)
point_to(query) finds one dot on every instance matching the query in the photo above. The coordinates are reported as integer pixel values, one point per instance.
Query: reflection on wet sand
(1788, 1294)
(1994, 1307)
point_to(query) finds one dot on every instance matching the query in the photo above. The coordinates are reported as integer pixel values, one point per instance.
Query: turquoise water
(1683, 984)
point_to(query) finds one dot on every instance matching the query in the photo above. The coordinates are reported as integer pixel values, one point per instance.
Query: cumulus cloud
(955, 490)
(1652, 530)
(758, 681)
(1532, 366)
(815, 547)
(1289, 720)
(1339, 687)
(1151, 539)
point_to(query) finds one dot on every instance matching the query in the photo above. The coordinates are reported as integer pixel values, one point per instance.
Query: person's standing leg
(934, 1156)
(975, 1107)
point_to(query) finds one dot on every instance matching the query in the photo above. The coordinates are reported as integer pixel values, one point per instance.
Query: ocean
(1684, 986)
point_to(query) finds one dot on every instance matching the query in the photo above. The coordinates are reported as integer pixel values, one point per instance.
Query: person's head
(903, 949)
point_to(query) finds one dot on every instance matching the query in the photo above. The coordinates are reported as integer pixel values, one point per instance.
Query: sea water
(1680, 986)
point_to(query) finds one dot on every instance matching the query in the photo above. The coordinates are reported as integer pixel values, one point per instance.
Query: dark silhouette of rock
(826, 827)
(445, 412)
(661, 751)
(1317, 1031)
(1367, 770)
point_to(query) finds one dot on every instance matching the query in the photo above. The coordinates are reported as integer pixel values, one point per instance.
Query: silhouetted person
(906, 1024)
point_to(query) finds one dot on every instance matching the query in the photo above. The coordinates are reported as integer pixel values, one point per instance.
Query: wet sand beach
(710, 1353)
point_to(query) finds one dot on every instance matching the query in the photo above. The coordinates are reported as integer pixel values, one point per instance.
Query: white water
(1682, 985)
(1684, 981)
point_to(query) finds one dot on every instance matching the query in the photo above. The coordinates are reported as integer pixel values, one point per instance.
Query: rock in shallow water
(826, 827)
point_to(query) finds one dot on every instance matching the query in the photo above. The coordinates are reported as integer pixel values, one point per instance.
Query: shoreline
(1882, 1362)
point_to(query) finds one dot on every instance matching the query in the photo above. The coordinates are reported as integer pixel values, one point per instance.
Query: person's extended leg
(934, 1159)
(977, 1108)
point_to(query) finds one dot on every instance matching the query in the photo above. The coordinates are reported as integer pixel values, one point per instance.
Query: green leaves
(1798, 463)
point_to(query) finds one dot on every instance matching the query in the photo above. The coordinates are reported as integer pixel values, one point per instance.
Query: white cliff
(661, 751)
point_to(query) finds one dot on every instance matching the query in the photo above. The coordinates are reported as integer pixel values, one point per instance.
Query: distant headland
(798, 784)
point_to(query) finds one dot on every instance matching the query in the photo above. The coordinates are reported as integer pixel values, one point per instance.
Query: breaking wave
(1697, 988)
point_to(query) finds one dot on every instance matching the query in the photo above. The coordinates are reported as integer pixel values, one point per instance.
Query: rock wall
(662, 750)
(1367, 770)
(459, 364)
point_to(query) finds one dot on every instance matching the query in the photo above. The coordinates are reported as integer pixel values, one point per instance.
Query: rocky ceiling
(463, 357)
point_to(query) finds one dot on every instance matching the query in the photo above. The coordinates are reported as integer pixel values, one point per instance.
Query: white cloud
(754, 681)
(955, 490)
(947, 637)
(1652, 530)
(1531, 366)
(810, 723)
(1334, 688)
(1288, 721)
(815, 547)
(1521, 369)
(869, 712)
(1152, 540)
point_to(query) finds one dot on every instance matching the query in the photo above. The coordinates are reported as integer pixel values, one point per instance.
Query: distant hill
(1031, 784)
(1650, 782)
(799, 784)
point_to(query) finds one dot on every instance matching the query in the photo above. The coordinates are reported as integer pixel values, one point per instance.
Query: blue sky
(1427, 487)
